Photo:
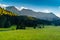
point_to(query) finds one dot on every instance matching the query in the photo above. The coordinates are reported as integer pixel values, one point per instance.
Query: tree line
(21, 21)
(7, 19)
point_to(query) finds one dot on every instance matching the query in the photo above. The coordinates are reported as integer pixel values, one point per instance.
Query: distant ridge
(28, 12)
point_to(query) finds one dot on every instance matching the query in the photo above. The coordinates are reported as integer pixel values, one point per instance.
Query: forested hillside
(3, 11)
(8, 19)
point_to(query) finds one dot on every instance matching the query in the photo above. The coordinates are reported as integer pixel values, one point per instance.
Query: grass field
(47, 33)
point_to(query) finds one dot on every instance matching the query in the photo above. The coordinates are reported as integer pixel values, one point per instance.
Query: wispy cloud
(3, 5)
(22, 7)
(46, 11)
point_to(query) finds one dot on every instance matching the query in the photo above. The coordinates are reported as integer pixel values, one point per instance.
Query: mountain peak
(27, 9)
(13, 9)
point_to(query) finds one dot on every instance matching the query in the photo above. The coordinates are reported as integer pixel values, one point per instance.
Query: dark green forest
(7, 19)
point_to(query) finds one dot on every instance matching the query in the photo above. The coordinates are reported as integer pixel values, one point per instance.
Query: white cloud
(46, 11)
(21, 8)
(3, 5)
(57, 15)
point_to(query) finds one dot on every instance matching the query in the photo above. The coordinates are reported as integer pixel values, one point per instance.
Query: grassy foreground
(50, 33)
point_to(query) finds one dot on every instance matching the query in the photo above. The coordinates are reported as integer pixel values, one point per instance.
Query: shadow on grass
(4, 30)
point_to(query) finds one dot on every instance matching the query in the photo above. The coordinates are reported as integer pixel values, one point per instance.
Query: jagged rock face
(28, 12)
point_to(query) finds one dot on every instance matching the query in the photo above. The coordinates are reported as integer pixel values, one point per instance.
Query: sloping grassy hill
(52, 33)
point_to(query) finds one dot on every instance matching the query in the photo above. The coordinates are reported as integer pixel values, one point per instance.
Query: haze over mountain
(28, 12)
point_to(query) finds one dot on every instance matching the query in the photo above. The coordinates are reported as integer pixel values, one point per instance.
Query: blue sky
(37, 5)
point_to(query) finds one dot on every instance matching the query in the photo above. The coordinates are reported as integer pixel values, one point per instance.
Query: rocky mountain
(40, 15)
(13, 9)
(28, 12)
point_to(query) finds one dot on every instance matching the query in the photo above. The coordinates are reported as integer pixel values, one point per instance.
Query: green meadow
(47, 33)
